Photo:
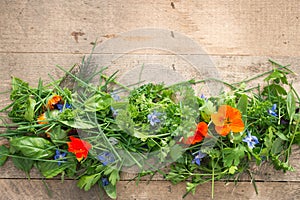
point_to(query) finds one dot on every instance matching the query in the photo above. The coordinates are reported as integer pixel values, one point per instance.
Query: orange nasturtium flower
(42, 119)
(200, 133)
(227, 119)
(53, 101)
(79, 147)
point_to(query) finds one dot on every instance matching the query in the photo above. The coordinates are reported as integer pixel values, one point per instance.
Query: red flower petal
(79, 147)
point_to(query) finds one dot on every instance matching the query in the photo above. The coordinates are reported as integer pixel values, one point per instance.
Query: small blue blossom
(115, 96)
(106, 158)
(60, 106)
(197, 159)
(272, 110)
(202, 96)
(153, 118)
(251, 140)
(114, 112)
(60, 156)
(105, 181)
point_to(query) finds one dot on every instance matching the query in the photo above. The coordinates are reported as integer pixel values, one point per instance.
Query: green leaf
(232, 169)
(277, 146)
(191, 187)
(277, 76)
(110, 190)
(291, 105)
(274, 89)
(242, 105)
(87, 181)
(3, 154)
(29, 113)
(19, 88)
(281, 136)
(33, 147)
(23, 164)
(50, 169)
(58, 135)
(114, 177)
(232, 156)
(98, 102)
(176, 152)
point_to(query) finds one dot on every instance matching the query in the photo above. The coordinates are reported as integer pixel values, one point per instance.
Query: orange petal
(218, 119)
(42, 119)
(222, 130)
(202, 129)
(237, 125)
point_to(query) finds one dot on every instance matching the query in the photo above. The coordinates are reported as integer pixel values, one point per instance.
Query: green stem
(116, 82)
(213, 179)
(292, 140)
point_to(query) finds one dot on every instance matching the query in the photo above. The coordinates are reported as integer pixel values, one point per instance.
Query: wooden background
(239, 35)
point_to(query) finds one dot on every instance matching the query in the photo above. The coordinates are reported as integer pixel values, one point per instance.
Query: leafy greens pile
(93, 132)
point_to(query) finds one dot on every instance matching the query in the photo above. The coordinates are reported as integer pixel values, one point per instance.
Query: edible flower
(250, 140)
(197, 159)
(79, 147)
(59, 156)
(227, 119)
(61, 106)
(42, 119)
(53, 101)
(200, 133)
(153, 118)
(272, 110)
(104, 181)
(106, 158)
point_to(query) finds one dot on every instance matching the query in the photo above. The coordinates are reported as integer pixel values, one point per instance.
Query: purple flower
(106, 158)
(272, 110)
(153, 118)
(251, 140)
(197, 159)
(105, 181)
(60, 156)
(114, 112)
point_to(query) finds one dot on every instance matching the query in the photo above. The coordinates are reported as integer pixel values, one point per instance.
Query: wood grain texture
(240, 37)
(19, 189)
(257, 27)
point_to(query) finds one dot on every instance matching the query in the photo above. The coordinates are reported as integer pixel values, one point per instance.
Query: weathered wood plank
(257, 27)
(32, 66)
(17, 189)
(154, 190)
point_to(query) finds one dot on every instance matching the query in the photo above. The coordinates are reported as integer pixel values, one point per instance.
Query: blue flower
(202, 96)
(60, 156)
(105, 181)
(153, 118)
(60, 106)
(115, 96)
(197, 159)
(272, 110)
(106, 158)
(251, 140)
(114, 112)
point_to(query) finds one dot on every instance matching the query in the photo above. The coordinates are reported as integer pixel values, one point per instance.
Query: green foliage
(23, 164)
(151, 126)
(32, 147)
(4, 152)
(50, 169)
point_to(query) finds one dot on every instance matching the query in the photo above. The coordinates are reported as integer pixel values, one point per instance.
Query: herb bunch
(94, 132)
